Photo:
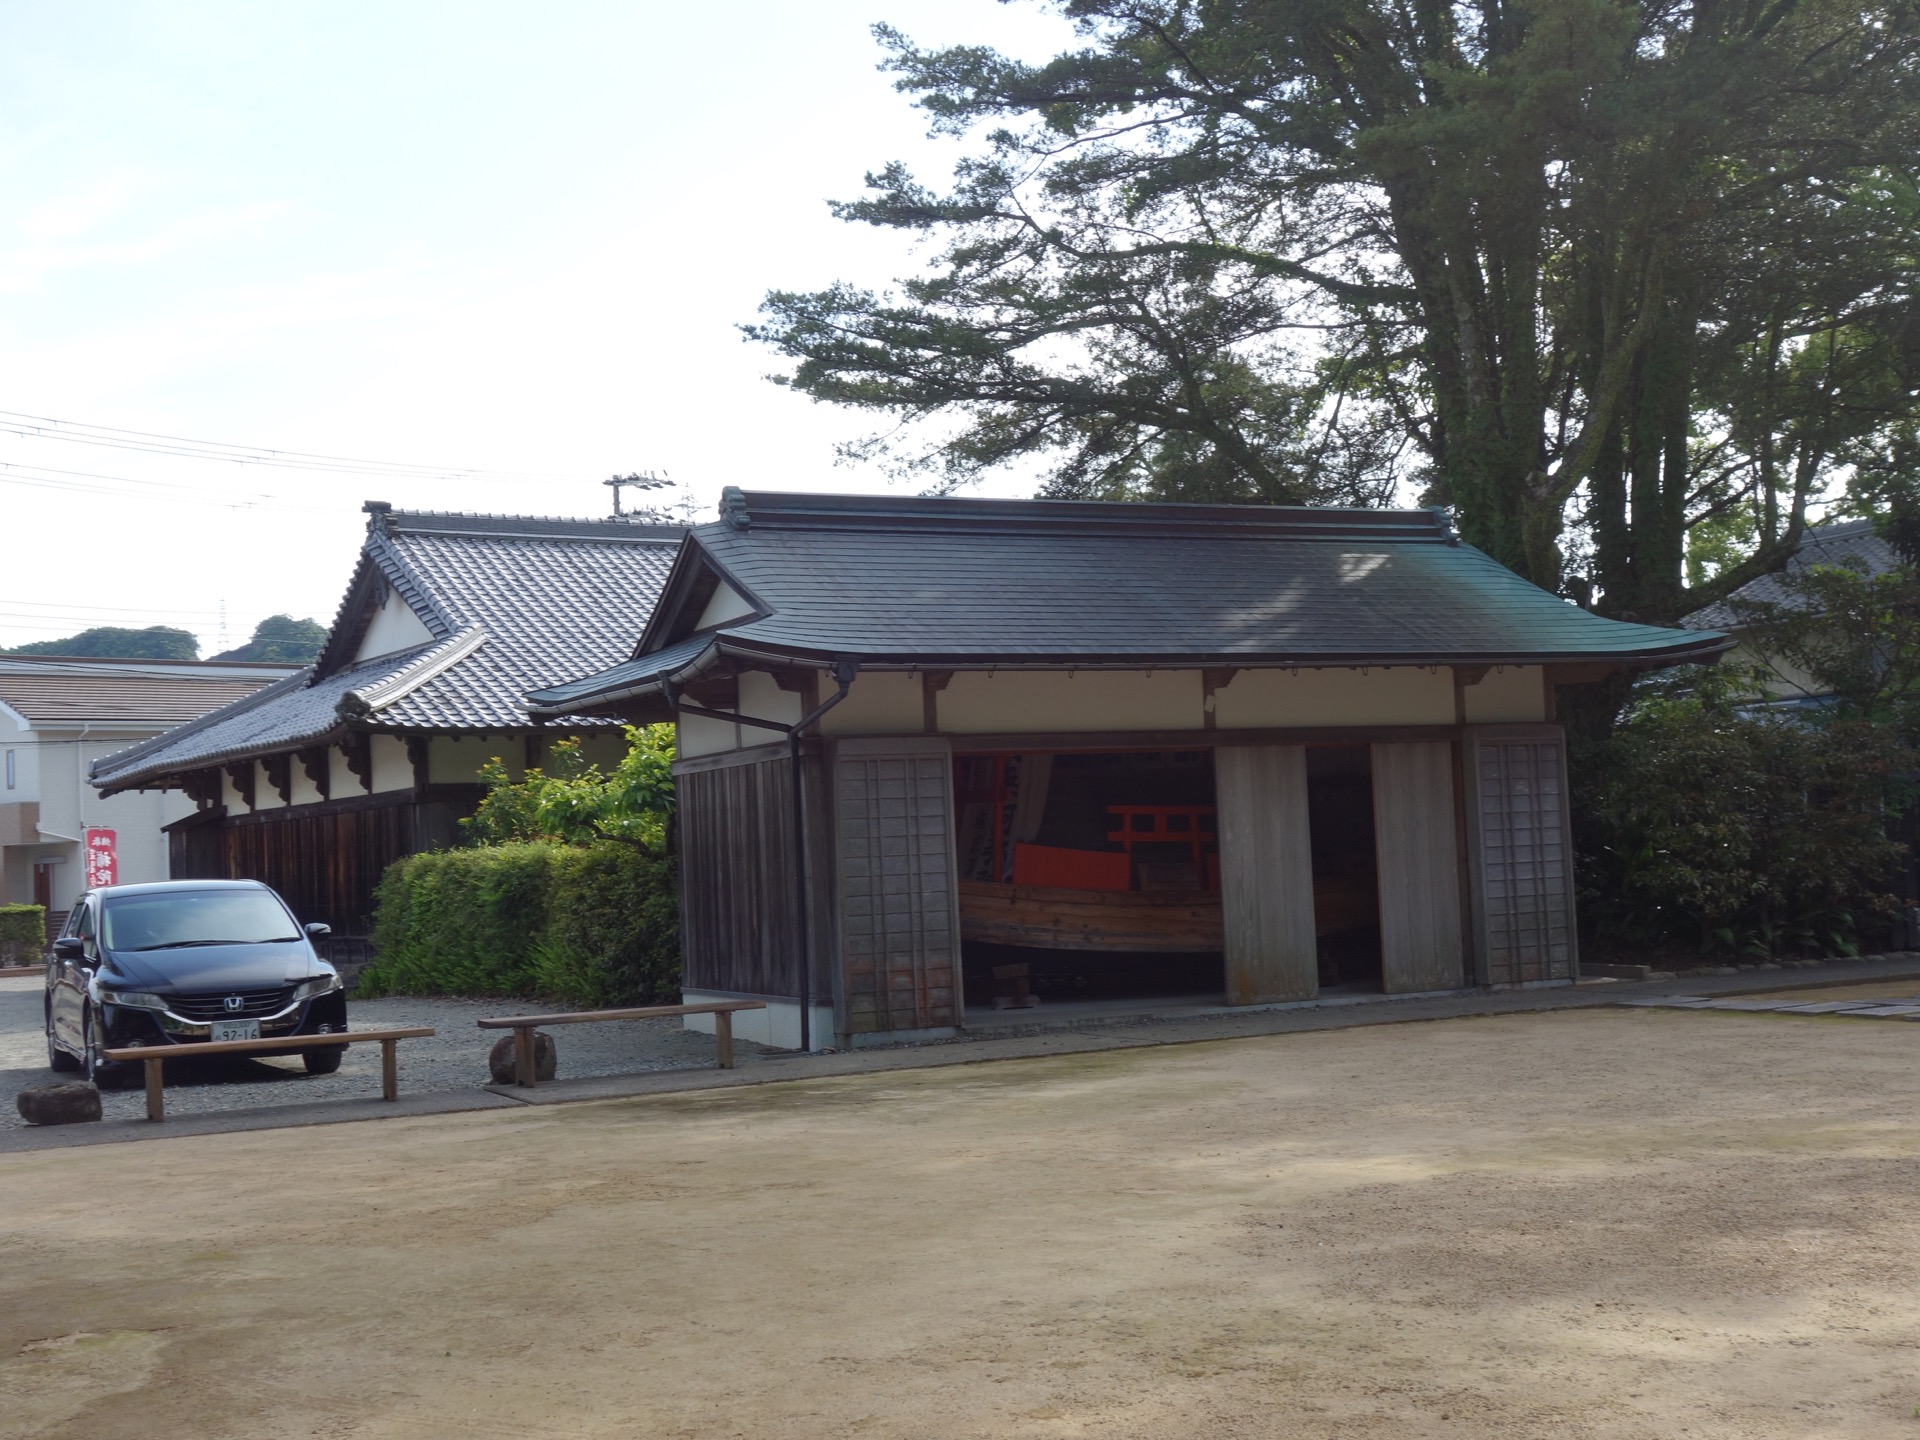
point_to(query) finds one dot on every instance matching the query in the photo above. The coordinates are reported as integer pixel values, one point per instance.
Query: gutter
(844, 670)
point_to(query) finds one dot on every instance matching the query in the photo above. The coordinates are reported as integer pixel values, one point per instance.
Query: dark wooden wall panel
(739, 921)
(1520, 853)
(327, 859)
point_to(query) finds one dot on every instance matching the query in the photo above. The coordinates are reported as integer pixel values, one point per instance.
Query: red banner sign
(103, 865)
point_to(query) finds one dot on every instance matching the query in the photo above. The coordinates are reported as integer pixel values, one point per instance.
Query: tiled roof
(1854, 542)
(946, 583)
(62, 696)
(511, 602)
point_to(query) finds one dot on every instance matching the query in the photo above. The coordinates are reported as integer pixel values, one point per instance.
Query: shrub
(23, 934)
(590, 925)
(1704, 824)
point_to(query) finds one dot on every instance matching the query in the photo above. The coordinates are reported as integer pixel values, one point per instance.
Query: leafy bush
(571, 799)
(23, 934)
(1701, 823)
(590, 925)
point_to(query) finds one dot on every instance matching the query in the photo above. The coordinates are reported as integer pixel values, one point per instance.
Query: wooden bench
(154, 1057)
(523, 1026)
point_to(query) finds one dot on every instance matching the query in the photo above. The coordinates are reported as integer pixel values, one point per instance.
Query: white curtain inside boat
(1030, 802)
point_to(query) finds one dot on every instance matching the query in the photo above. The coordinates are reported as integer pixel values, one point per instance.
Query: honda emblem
(233, 1002)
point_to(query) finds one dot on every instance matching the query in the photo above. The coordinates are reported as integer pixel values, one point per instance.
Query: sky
(463, 237)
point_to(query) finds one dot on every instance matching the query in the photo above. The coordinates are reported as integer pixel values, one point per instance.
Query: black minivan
(186, 961)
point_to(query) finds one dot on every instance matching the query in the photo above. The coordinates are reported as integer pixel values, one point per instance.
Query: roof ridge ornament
(733, 508)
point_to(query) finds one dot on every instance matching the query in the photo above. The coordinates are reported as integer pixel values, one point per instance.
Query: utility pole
(640, 480)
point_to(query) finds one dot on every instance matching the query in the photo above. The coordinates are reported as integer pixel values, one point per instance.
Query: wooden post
(389, 1070)
(723, 1037)
(525, 1071)
(156, 1096)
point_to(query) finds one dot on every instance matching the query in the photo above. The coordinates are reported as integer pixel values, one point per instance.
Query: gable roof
(61, 695)
(508, 601)
(974, 584)
(1855, 542)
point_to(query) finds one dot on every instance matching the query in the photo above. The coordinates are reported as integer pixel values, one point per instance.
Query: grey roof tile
(554, 597)
(956, 582)
(1854, 542)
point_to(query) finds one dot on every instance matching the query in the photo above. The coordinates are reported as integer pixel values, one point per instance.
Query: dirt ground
(1596, 1223)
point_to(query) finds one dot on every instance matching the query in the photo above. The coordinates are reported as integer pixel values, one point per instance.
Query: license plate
(234, 1030)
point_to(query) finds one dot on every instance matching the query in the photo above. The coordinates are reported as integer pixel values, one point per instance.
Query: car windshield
(196, 917)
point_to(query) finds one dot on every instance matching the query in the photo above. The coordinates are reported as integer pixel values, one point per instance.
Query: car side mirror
(316, 930)
(70, 947)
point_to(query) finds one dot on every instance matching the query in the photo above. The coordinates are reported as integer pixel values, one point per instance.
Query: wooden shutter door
(898, 889)
(1266, 873)
(1520, 853)
(1419, 864)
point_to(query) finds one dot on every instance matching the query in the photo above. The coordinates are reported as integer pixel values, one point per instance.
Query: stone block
(69, 1103)
(500, 1058)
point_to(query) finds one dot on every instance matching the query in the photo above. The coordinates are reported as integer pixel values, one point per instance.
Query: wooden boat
(1045, 917)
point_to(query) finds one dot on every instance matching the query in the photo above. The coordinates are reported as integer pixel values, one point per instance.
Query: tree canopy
(116, 642)
(283, 640)
(1623, 282)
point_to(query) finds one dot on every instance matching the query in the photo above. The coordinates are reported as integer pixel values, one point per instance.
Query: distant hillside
(281, 640)
(155, 642)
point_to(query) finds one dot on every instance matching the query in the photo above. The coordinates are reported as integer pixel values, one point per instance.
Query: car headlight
(325, 985)
(138, 999)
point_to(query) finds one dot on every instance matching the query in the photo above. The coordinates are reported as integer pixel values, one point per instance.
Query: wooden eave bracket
(357, 747)
(314, 761)
(279, 772)
(241, 774)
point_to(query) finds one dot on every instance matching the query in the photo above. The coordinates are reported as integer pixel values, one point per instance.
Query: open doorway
(1088, 877)
(1346, 883)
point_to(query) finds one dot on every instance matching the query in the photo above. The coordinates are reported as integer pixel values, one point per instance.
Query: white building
(57, 716)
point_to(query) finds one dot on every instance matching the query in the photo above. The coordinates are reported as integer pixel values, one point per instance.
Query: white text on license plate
(235, 1030)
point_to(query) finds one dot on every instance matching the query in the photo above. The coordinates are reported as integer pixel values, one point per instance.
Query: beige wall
(305, 792)
(762, 697)
(1015, 700)
(1259, 699)
(456, 759)
(700, 736)
(265, 797)
(341, 781)
(878, 703)
(394, 627)
(392, 770)
(1507, 695)
(726, 604)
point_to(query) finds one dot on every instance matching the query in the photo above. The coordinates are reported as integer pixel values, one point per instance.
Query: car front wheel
(103, 1073)
(324, 1061)
(58, 1059)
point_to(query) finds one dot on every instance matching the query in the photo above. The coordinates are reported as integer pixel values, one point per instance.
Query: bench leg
(156, 1096)
(525, 1072)
(389, 1070)
(723, 1038)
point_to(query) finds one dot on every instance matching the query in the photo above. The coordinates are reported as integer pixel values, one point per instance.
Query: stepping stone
(1824, 1007)
(1888, 1012)
(1744, 1004)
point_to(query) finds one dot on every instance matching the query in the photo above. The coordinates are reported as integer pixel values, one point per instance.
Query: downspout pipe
(843, 673)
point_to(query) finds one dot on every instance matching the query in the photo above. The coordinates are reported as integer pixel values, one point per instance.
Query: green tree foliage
(1753, 831)
(281, 640)
(1592, 272)
(1855, 636)
(155, 642)
(588, 925)
(573, 801)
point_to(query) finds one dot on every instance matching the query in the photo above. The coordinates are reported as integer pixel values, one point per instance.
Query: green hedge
(591, 925)
(23, 934)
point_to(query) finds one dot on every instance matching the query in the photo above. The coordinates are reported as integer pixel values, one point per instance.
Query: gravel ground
(453, 1059)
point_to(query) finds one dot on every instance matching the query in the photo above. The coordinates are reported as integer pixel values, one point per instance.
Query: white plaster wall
(265, 797)
(392, 770)
(1507, 695)
(305, 792)
(603, 750)
(761, 696)
(701, 736)
(879, 703)
(1378, 696)
(394, 627)
(977, 702)
(230, 797)
(778, 1025)
(456, 759)
(727, 604)
(341, 782)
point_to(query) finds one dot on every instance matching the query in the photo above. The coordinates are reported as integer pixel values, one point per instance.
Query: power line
(80, 432)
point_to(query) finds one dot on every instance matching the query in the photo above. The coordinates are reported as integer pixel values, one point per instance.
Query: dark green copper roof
(959, 584)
